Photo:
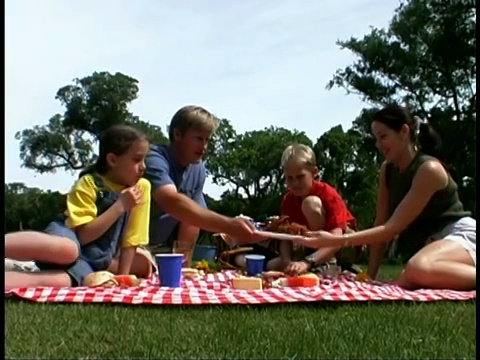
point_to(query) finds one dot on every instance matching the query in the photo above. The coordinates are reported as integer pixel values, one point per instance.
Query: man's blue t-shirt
(162, 168)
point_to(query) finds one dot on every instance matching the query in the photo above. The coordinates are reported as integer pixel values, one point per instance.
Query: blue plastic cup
(255, 264)
(169, 269)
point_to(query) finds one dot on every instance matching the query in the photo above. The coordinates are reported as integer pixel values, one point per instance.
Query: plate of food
(282, 229)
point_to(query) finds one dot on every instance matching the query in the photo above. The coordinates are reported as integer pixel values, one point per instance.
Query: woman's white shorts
(463, 232)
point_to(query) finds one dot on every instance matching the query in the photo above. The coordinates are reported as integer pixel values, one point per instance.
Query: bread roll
(100, 279)
(150, 261)
(190, 273)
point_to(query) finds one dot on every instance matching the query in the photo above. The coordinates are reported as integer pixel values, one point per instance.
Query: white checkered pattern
(216, 289)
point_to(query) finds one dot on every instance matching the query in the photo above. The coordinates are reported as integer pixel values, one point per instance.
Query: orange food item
(127, 280)
(306, 280)
(269, 277)
(283, 225)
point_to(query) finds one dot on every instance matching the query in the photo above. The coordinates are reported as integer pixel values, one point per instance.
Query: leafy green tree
(349, 161)
(30, 208)
(426, 60)
(249, 164)
(92, 104)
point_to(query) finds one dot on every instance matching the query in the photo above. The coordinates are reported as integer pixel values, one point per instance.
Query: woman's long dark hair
(117, 139)
(422, 133)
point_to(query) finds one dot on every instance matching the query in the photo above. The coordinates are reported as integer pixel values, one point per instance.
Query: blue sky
(255, 62)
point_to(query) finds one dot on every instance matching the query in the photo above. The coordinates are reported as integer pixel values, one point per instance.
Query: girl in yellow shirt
(107, 219)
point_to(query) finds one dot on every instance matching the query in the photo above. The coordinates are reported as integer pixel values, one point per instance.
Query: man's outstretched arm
(180, 206)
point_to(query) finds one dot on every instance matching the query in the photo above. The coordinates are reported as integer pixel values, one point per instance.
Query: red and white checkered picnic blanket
(216, 289)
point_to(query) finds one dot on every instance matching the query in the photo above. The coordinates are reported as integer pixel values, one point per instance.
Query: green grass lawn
(301, 331)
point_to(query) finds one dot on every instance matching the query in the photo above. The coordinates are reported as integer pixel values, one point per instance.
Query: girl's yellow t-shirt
(81, 208)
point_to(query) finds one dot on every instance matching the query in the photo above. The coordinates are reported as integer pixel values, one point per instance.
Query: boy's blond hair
(192, 117)
(299, 154)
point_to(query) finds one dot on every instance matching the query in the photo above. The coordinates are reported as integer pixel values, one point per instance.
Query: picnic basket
(227, 251)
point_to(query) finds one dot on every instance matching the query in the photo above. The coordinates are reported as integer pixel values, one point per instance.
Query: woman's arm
(430, 178)
(381, 216)
(325, 254)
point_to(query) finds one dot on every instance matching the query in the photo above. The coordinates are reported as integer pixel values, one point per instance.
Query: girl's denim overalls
(98, 254)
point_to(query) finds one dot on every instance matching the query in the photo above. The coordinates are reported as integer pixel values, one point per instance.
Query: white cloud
(256, 62)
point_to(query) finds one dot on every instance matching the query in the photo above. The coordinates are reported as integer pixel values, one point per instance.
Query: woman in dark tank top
(417, 201)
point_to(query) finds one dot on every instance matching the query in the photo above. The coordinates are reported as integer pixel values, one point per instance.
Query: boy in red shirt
(314, 204)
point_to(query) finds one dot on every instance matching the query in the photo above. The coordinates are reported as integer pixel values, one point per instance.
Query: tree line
(425, 59)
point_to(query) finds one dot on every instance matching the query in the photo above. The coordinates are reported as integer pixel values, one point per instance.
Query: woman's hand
(320, 239)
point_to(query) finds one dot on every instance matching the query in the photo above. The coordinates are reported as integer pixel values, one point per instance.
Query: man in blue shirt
(177, 174)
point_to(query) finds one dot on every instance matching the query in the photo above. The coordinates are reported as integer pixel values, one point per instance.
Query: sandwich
(190, 273)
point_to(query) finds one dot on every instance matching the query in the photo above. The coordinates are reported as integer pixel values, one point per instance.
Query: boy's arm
(285, 248)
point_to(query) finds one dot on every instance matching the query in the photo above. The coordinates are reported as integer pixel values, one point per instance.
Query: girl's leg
(143, 264)
(443, 264)
(42, 247)
(14, 279)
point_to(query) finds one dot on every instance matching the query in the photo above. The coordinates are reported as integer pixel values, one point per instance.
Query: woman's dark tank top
(443, 208)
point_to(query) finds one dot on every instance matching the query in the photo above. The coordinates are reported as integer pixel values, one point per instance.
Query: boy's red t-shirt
(336, 211)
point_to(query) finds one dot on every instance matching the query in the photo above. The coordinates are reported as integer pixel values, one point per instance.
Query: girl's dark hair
(117, 139)
(422, 133)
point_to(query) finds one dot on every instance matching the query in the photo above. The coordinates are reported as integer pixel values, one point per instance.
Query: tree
(30, 208)
(250, 164)
(348, 161)
(92, 104)
(426, 60)
(231, 205)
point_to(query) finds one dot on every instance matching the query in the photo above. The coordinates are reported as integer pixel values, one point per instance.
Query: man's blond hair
(300, 155)
(192, 117)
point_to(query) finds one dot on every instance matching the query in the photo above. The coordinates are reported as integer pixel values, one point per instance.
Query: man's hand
(242, 230)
